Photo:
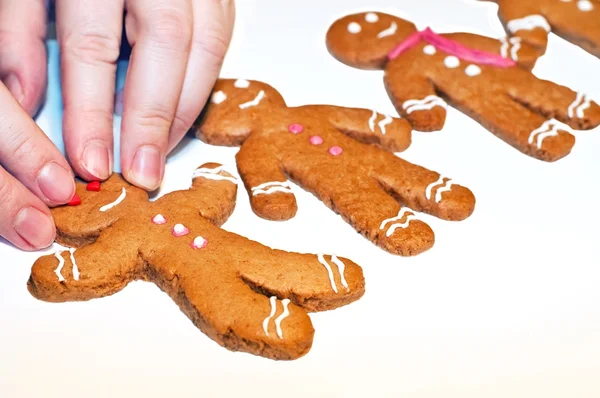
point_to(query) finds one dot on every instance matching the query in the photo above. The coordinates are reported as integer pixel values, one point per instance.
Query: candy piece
(75, 201)
(93, 186)
(180, 230)
(296, 128)
(316, 140)
(335, 151)
(199, 243)
(159, 219)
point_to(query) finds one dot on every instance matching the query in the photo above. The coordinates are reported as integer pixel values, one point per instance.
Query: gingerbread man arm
(513, 48)
(524, 19)
(414, 96)
(369, 126)
(271, 196)
(213, 193)
(97, 270)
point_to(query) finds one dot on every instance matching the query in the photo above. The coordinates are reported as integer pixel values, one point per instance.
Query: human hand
(177, 51)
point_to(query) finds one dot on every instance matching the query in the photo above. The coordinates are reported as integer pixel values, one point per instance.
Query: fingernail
(56, 183)
(14, 86)
(147, 167)
(34, 227)
(96, 160)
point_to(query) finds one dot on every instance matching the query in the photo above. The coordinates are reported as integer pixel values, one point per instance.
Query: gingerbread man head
(245, 296)
(342, 155)
(365, 39)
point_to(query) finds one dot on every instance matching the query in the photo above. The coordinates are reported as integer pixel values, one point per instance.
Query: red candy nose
(75, 201)
(94, 186)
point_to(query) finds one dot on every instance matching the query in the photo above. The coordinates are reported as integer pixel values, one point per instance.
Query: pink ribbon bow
(451, 47)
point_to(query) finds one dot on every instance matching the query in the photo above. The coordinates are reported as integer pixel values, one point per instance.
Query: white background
(505, 304)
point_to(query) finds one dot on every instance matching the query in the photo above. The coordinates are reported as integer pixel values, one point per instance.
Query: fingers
(160, 32)
(89, 38)
(213, 26)
(26, 221)
(22, 50)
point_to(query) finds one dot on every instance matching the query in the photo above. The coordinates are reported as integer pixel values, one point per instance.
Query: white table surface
(504, 305)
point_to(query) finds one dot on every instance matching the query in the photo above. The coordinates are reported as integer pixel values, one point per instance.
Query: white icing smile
(259, 97)
(389, 31)
(116, 202)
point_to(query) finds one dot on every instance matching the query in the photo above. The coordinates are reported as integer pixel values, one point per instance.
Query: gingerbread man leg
(424, 190)
(271, 196)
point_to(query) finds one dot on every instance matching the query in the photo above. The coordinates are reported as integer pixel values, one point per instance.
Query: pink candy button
(159, 219)
(335, 151)
(199, 243)
(180, 230)
(296, 128)
(316, 140)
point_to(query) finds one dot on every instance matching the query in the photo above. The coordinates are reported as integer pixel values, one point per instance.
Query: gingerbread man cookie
(340, 155)
(245, 296)
(487, 79)
(577, 21)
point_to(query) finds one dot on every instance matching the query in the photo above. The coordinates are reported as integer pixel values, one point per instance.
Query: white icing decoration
(199, 242)
(451, 62)
(273, 301)
(548, 129)
(121, 198)
(371, 17)
(429, 49)
(515, 42)
(325, 264)
(354, 28)
(578, 107)
(259, 97)
(281, 317)
(428, 103)
(528, 23)
(387, 120)
(473, 70)
(389, 31)
(61, 261)
(410, 216)
(585, 5)
(384, 122)
(241, 83)
(442, 187)
(341, 269)
(61, 264)
(271, 187)
(218, 97)
(213, 174)
(372, 121)
(180, 230)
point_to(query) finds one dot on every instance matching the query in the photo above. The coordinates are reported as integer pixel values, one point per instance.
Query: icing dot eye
(75, 201)
(159, 219)
(371, 17)
(295, 128)
(218, 97)
(93, 186)
(451, 61)
(429, 49)
(585, 5)
(335, 151)
(241, 83)
(180, 230)
(316, 140)
(473, 70)
(199, 243)
(354, 27)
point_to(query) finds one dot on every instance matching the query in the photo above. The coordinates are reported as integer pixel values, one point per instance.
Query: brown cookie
(341, 155)
(487, 79)
(577, 21)
(245, 296)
